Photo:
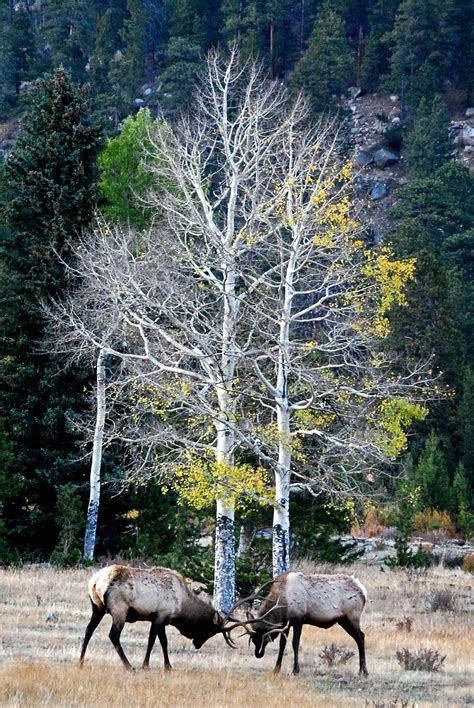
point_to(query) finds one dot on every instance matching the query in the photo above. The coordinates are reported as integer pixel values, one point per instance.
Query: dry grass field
(44, 614)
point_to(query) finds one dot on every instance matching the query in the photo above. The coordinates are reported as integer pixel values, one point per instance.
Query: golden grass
(45, 613)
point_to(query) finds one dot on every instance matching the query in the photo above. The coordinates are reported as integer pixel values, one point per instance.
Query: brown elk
(157, 595)
(296, 599)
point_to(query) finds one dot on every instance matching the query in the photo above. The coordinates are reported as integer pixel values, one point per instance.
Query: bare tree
(249, 302)
(338, 401)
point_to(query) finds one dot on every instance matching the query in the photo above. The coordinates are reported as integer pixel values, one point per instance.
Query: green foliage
(377, 51)
(124, 178)
(427, 143)
(431, 476)
(314, 523)
(324, 67)
(17, 54)
(463, 501)
(421, 47)
(71, 520)
(183, 63)
(48, 195)
(407, 500)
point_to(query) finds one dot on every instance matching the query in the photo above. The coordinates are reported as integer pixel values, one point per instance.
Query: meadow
(45, 611)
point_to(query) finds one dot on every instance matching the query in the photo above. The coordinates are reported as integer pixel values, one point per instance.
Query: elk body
(296, 599)
(157, 595)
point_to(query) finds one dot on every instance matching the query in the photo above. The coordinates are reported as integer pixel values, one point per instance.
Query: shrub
(421, 660)
(429, 520)
(468, 564)
(444, 600)
(333, 655)
(406, 623)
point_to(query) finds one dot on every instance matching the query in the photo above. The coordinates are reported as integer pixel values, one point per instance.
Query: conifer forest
(236, 282)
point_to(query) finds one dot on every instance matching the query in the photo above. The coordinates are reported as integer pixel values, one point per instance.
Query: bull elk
(296, 599)
(157, 595)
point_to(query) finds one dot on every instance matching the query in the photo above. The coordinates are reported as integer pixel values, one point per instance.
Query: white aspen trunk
(94, 495)
(224, 560)
(281, 511)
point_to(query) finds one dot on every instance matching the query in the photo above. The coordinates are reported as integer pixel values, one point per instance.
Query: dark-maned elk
(296, 599)
(157, 595)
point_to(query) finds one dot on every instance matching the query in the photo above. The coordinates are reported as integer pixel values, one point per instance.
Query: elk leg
(151, 643)
(114, 636)
(94, 622)
(296, 645)
(354, 631)
(164, 645)
(283, 638)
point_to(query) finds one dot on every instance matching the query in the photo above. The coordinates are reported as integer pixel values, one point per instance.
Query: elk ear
(217, 619)
(250, 616)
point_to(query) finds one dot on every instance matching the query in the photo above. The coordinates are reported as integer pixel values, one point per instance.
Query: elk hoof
(168, 667)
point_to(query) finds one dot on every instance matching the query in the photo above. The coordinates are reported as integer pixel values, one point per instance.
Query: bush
(422, 660)
(429, 520)
(333, 655)
(406, 624)
(444, 600)
(468, 564)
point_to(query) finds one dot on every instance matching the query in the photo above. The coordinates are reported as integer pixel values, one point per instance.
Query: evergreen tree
(183, 63)
(325, 66)
(49, 192)
(432, 477)
(375, 62)
(422, 42)
(134, 36)
(463, 497)
(17, 54)
(466, 424)
(68, 31)
(427, 145)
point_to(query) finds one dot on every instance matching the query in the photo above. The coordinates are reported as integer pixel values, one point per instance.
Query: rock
(355, 92)
(380, 190)
(118, 56)
(363, 159)
(469, 149)
(384, 158)
(468, 135)
(396, 120)
(148, 91)
(52, 618)
(394, 98)
(139, 103)
(470, 112)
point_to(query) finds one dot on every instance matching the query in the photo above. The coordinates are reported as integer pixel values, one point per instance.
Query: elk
(157, 595)
(296, 599)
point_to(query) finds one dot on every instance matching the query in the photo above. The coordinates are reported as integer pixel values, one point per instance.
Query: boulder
(468, 135)
(355, 92)
(384, 158)
(394, 98)
(380, 190)
(469, 112)
(139, 103)
(363, 159)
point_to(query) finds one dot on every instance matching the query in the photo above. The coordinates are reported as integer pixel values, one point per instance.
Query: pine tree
(183, 63)
(325, 66)
(68, 33)
(49, 193)
(427, 145)
(375, 62)
(17, 54)
(422, 48)
(463, 497)
(432, 477)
